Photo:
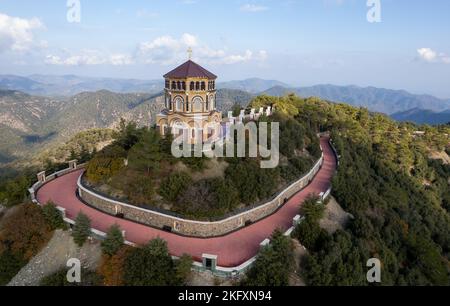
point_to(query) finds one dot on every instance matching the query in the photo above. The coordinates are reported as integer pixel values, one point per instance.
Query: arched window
(183, 85)
(203, 86)
(167, 84)
(197, 85)
(197, 104)
(192, 86)
(174, 85)
(179, 85)
(178, 104)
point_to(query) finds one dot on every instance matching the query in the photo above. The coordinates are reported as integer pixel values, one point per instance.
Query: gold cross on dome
(189, 51)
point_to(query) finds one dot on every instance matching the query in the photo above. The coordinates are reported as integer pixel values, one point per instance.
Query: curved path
(232, 249)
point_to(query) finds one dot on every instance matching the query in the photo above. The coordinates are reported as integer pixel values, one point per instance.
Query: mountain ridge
(388, 101)
(29, 123)
(423, 116)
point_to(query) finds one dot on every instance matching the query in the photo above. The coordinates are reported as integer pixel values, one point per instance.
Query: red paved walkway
(232, 249)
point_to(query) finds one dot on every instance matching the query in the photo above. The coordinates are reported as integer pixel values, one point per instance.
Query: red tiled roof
(190, 70)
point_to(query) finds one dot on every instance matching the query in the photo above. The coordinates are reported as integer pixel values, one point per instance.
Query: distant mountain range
(38, 109)
(28, 123)
(375, 99)
(253, 85)
(423, 116)
(69, 85)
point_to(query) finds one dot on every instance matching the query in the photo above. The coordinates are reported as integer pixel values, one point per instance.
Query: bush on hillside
(54, 216)
(113, 242)
(82, 229)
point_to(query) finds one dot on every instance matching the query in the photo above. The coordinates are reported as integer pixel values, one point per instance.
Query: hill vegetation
(30, 124)
(151, 177)
(397, 195)
(380, 100)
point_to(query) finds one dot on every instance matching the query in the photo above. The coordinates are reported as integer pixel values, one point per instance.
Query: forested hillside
(398, 196)
(381, 100)
(29, 124)
(388, 179)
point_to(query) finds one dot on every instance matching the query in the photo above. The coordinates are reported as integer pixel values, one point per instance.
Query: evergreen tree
(273, 264)
(53, 216)
(113, 242)
(145, 155)
(81, 229)
(150, 265)
(183, 268)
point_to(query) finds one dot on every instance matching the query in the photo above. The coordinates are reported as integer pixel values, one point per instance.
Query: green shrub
(273, 264)
(150, 265)
(14, 191)
(81, 229)
(10, 265)
(310, 234)
(312, 209)
(59, 279)
(113, 242)
(172, 186)
(206, 199)
(183, 268)
(194, 163)
(53, 216)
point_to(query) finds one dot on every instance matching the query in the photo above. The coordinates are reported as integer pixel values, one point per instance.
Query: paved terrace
(232, 249)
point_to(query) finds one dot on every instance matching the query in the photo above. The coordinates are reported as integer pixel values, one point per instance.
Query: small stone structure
(41, 177)
(209, 262)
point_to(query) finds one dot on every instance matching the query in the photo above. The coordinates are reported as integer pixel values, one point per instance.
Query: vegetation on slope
(140, 169)
(398, 197)
(22, 235)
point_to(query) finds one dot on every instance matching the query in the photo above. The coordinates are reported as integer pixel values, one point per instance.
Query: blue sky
(301, 42)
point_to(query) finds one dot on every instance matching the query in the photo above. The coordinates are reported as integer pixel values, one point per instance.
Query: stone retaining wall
(191, 227)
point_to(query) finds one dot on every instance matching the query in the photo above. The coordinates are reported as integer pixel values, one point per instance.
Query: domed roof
(190, 70)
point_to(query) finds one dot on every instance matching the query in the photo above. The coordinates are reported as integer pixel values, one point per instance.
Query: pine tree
(113, 241)
(82, 229)
(146, 154)
(53, 216)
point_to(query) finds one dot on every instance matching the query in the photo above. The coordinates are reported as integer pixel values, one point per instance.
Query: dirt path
(54, 257)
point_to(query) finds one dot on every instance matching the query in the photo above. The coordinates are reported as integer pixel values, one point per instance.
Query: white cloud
(431, 56)
(121, 59)
(163, 50)
(167, 50)
(253, 8)
(89, 57)
(17, 34)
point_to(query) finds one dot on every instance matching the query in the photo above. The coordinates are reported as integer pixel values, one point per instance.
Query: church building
(190, 103)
